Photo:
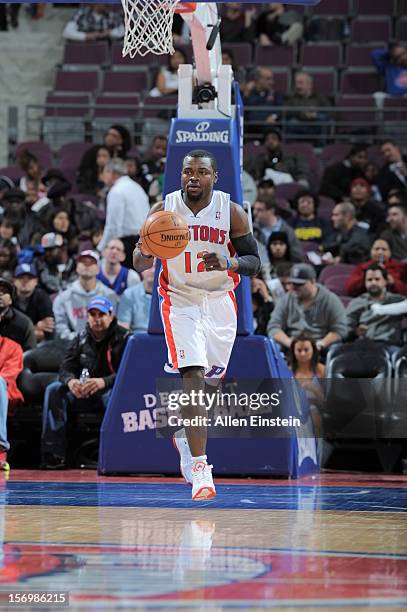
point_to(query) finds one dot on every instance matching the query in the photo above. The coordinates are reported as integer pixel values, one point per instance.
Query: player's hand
(259, 286)
(213, 261)
(93, 385)
(142, 248)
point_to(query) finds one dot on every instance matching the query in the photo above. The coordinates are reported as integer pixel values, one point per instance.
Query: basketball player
(198, 305)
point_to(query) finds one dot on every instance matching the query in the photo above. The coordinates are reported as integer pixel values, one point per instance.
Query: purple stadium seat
(133, 152)
(336, 283)
(13, 172)
(321, 55)
(125, 83)
(395, 109)
(332, 7)
(371, 29)
(325, 80)
(359, 81)
(86, 54)
(288, 191)
(359, 118)
(401, 7)
(375, 155)
(359, 56)
(325, 208)
(60, 105)
(334, 153)
(81, 81)
(71, 153)
(335, 270)
(127, 63)
(116, 106)
(251, 149)
(41, 150)
(375, 7)
(345, 299)
(70, 173)
(150, 107)
(401, 28)
(274, 55)
(308, 152)
(284, 204)
(242, 53)
(282, 80)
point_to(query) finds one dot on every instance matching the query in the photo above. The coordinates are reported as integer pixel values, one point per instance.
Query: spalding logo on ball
(164, 234)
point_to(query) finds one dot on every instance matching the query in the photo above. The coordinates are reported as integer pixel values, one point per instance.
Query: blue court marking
(149, 495)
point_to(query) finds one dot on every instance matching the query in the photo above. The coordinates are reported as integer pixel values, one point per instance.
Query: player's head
(199, 174)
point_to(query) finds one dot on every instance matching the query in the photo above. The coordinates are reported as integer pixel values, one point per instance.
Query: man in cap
(70, 305)
(33, 301)
(370, 215)
(13, 323)
(97, 349)
(338, 177)
(55, 269)
(309, 307)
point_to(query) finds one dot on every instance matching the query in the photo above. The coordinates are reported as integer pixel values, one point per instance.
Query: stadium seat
(128, 63)
(40, 149)
(335, 270)
(274, 55)
(65, 118)
(345, 299)
(308, 152)
(325, 208)
(79, 55)
(130, 83)
(13, 172)
(401, 29)
(242, 53)
(60, 105)
(163, 107)
(334, 153)
(251, 149)
(325, 80)
(116, 107)
(80, 81)
(71, 153)
(321, 55)
(336, 283)
(395, 109)
(288, 191)
(375, 7)
(337, 8)
(371, 30)
(282, 80)
(360, 81)
(359, 56)
(358, 121)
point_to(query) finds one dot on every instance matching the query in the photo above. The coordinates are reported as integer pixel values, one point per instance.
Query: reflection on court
(305, 544)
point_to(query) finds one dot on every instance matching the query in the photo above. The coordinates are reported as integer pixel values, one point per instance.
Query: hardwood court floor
(335, 541)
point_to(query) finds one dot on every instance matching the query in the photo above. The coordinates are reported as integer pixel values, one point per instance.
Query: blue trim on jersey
(120, 282)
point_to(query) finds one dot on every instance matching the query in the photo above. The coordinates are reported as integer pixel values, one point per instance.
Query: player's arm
(247, 260)
(142, 259)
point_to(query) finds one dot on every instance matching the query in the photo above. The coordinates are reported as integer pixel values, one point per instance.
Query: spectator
(56, 269)
(134, 307)
(8, 258)
(396, 235)
(349, 243)
(380, 254)
(261, 93)
(262, 306)
(396, 196)
(5, 184)
(278, 165)
(310, 122)
(278, 251)
(135, 171)
(337, 179)
(8, 232)
(11, 365)
(391, 63)
(239, 72)
(393, 175)
(70, 305)
(266, 190)
(237, 23)
(13, 323)
(363, 321)
(60, 223)
(153, 159)
(112, 274)
(90, 172)
(33, 301)
(27, 223)
(95, 22)
(267, 219)
(370, 215)
(31, 181)
(127, 208)
(309, 308)
(98, 348)
(307, 225)
(278, 26)
(166, 82)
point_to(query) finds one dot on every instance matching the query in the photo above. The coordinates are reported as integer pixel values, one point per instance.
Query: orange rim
(185, 7)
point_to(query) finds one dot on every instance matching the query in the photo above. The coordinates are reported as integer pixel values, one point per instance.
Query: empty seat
(241, 52)
(335, 270)
(325, 208)
(321, 55)
(336, 283)
(58, 105)
(125, 83)
(81, 81)
(40, 149)
(371, 29)
(288, 191)
(71, 153)
(116, 106)
(360, 112)
(360, 82)
(128, 63)
(77, 54)
(274, 55)
(395, 109)
(332, 7)
(401, 29)
(325, 80)
(375, 7)
(13, 172)
(251, 149)
(334, 153)
(359, 55)
(163, 107)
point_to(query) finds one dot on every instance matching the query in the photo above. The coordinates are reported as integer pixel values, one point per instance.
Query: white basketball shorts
(200, 335)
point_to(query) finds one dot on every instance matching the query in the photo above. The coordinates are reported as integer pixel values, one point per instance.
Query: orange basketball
(165, 234)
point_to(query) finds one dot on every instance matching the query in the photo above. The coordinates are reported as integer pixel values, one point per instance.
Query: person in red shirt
(380, 253)
(11, 364)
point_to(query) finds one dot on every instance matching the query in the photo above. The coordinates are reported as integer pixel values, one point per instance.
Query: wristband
(228, 262)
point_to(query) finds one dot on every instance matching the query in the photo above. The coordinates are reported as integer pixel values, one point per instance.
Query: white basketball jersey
(185, 275)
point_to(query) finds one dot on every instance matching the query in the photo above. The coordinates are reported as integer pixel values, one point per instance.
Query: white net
(148, 26)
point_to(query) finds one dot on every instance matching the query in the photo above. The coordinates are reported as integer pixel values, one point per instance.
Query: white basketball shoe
(186, 461)
(202, 482)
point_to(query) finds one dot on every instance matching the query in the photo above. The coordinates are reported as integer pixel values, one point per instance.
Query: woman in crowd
(60, 223)
(31, 181)
(90, 173)
(8, 258)
(166, 82)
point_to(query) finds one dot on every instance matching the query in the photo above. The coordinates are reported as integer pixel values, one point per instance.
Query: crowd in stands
(333, 244)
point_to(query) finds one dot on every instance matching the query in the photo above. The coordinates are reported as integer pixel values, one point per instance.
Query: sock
(200, 458)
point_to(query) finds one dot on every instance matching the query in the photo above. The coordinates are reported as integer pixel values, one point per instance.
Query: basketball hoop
(148, 25)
